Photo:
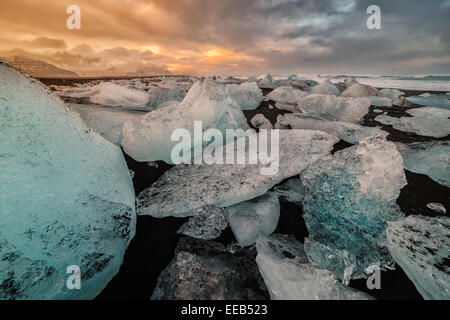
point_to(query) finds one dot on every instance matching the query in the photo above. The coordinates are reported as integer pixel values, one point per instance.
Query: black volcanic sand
(153, 247)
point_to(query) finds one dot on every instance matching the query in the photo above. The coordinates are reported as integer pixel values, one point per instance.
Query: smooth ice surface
(159, 97)
(261, 122)
(332, 108)
(207, 223)
(66, 196)
(251, 219)
(205, 270)
(326, 87)
(437, 207)
(351, 133)
(426, 121)
(268, 82)
(111, 94)
(441, 101)
(287, 95)
(392, 94)
(148, 138)
(350, 197)
(247, 95)
(185, 188)
(420, 245)
(380, 101)
(359, 90)
(289, 275)
(108, 121)
(430, 158)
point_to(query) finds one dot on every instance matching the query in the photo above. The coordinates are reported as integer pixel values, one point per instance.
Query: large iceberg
(420, 245)
(333, 108)
(247, 95)
(349, 199)
(251, 219)
(111, 94)
(205, 270)
(149, 137)
(427, 121)
(159, 97)
(351, 133)
(289, 275)
(441, 101)
(66, 196)
(430, 158)
(185, 188)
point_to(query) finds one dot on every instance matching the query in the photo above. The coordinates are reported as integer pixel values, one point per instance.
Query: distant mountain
(38, 68)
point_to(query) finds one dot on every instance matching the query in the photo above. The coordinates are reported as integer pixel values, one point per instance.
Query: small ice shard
(425, 95)
(437, 207)
(185, 188)
(326, 87)
(359, 90)
(111, 94)
(392, 94)
(247, 95)
(148, 138)
(289, 275)
(108, 121)
(159, 96)
(441, 101)
(420, 245)
(351, 133)
(207, 223)
(261, 122)
(286, 95)
(378, 111)
(291, 190)
(340, 262)
(429, 158)
(66, 196)
(380, 101)
(251, 219)
(281, 124)
(426, 121)
(268, 82)
(206, 270)
(332, 108)
(349, 198)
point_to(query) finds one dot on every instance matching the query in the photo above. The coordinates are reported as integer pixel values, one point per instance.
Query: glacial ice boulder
(291, 190)
(247, 95)
(349, 199)
(111, 94)
(289, 275)
(326, 87)
(377, 101)
(108, 121)
(261, 122)
(359, 90)
(441, 101)
(66, 196)
(205, 270)
(429, 158)
(185, 188)
(159, 97)
(426, 121)
(207, 223)
(149, 137)
(287, 95)
(268, 82)
(420, 245)
(351, 133)
(332, 108)
(392, 94)
(251, 219)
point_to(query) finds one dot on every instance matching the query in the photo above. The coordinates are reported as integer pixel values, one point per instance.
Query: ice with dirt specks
(420, 245)
(261, 122)
(66, 196)
(207, 223)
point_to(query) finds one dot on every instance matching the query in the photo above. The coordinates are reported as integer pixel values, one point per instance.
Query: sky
(231, 37)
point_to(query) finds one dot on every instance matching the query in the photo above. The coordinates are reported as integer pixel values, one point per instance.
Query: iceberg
(159, 97)
(185, 188)
(359, 90)
(289, 275)
(205, 270)
(148, 138)
(261, 122)
(268, 82)
(247, 95)
(392, 94)
(207, 223)
(332, 108)
(325, 87)
(111, 94)
(286, 95)
(441, 101)
(426, 121)
(349, 199)
(251, 219)
(420, 245)
(380, 101)
(351, 133)
(66, 196)
(429, 158)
